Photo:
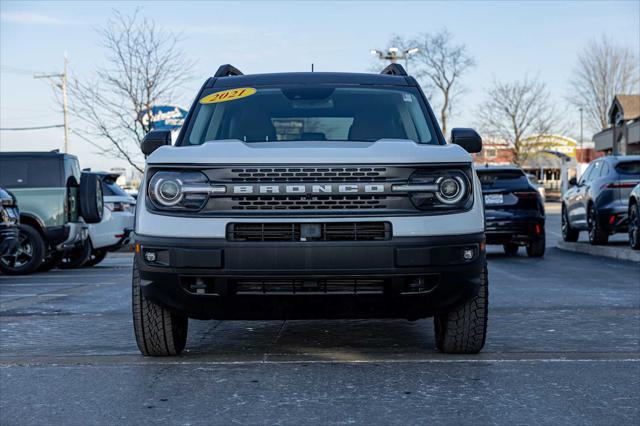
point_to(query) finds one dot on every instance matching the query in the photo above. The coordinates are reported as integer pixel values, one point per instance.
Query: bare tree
(520, 113)
(442, 63)
(603, 70)
(143, 68)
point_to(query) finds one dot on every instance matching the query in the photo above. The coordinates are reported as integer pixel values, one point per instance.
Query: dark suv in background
(514, 210)
(9, 221)
(598, 202)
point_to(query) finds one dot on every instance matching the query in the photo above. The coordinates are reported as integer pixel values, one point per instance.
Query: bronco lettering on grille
(355, 188)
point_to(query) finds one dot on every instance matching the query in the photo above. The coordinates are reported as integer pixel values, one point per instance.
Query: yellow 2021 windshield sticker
(228, 95)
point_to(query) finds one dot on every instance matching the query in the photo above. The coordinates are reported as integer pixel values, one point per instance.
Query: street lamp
(581, 140)
(393, 54)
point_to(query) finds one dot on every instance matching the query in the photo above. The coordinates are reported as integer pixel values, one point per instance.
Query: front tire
(634, 226)
(569, 234)
(597, 235)
(29, 254)
(159, 332)
(464, 330)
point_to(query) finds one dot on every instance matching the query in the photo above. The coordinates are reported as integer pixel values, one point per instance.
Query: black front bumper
(412, 277)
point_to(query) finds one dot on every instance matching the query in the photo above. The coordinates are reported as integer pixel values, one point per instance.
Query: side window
(605, 169)
(13, 173)
(585, 176)
(72, 168)
(30, 173)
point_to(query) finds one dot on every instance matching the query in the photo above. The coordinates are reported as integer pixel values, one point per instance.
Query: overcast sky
(508, 39)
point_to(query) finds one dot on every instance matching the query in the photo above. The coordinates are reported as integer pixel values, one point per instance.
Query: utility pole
(61, 84)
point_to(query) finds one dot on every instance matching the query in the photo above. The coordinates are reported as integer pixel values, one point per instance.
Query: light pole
(581, 140)
(393, 54)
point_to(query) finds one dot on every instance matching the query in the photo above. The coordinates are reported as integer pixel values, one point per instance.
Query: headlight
(168, 191)
(451, 189)
(438, 189)
(180, 190)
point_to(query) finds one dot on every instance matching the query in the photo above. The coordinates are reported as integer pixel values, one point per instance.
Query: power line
(32, 128)
(15, 70)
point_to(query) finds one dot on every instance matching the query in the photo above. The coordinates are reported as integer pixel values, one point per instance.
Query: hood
(384, 151)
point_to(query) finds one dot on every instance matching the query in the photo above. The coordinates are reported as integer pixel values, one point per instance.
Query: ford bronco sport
(310, 195)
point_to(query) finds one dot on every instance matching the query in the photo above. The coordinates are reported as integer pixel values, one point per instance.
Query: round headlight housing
(168, 191)
(451, 189)
(174, 190)
(443, 189)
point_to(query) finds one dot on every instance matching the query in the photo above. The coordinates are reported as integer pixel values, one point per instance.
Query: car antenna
(311, 66)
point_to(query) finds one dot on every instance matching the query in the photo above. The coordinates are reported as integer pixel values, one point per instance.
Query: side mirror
(573, 181)
(154, 140)
(469, 139)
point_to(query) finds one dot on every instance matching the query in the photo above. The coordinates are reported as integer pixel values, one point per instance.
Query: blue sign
(163, 117)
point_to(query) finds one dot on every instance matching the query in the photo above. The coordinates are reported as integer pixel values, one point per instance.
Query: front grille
(311, 286)
(331, 231)
(322, 202)
(272, 190)
(309, 174)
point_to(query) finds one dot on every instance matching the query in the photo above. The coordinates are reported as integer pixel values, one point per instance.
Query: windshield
(502, 179)
(310, 113)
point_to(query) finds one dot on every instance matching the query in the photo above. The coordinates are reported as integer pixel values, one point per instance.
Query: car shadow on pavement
(339, 340)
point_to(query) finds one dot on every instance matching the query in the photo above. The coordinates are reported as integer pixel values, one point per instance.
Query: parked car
(599, 201)
(56, 202)
(113, 231)
(634, 218)
(310, 195)
(513, 209)
(9, 221)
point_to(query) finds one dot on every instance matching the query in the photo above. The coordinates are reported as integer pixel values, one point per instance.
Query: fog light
(468, 253)
(150, 256)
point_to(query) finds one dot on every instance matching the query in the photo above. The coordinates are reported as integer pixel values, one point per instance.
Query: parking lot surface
(563, 348)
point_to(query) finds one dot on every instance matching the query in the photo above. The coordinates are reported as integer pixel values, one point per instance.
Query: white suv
(310, 195)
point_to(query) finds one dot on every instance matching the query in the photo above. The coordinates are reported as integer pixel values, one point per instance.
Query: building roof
(630, 105)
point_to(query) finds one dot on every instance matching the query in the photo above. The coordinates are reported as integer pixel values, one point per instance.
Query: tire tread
(464, 330)
(159, 332)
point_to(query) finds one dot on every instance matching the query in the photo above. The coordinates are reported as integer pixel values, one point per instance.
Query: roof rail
(394, 69)
(226, 70)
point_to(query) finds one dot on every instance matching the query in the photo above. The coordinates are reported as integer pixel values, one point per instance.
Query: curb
(620, 253)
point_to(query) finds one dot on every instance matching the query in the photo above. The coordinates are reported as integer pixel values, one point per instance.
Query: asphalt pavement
(563, 347)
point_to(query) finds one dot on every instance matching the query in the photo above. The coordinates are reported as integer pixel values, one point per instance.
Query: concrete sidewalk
(617, 251)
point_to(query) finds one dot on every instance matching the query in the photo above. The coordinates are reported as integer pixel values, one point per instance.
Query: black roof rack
(226, 70)
(394, 69)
